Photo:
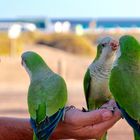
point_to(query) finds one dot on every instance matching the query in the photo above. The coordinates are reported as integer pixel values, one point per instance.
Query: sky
(70, 8)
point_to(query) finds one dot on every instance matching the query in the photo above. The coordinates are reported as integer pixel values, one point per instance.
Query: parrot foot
(67, 108)
(111, 108)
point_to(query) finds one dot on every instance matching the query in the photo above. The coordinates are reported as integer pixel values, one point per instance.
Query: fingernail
(107, 115)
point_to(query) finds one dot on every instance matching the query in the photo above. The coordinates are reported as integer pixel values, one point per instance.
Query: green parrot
(125, 81)
(96, 79)
(47, 95)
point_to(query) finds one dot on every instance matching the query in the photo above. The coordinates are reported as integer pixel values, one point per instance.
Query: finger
(97, 130)
(104, 126)
(88, 129)
(94, 117)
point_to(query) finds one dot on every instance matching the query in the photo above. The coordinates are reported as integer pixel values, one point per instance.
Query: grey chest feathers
(99, 88)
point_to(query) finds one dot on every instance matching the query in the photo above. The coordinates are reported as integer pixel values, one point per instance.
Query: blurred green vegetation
(4, 44)
(69, 42)
(7, 44)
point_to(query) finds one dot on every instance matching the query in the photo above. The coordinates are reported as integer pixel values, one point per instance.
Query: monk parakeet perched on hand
(47, 95)
(96, 79)
(125, 81)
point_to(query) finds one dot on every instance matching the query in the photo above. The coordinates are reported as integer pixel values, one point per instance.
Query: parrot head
(107, 48)
(129, 48)
(32, 62)
(129, 45)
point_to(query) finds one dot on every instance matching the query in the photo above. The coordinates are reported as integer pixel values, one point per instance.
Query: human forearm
(61, 132)
(15, 129)
(20, 129)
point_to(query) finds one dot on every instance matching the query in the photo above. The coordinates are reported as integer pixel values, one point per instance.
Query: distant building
(25, 23)
(78, 25)
(99, 24)
(6, 26)
(40, 23)
(73, 24)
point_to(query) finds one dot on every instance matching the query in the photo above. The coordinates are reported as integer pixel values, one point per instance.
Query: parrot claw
(67, 108)
(122, 116)
(84, 110)
(138, 122)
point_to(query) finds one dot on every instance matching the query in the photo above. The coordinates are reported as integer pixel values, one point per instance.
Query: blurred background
(65, 33)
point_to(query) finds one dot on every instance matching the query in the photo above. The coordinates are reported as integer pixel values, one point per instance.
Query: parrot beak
(114, 45)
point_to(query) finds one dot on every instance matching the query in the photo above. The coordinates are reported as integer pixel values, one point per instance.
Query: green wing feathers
(87, 80)
(49, 95)
(125, 87)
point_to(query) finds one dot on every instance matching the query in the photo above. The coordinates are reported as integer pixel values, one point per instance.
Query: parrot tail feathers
(133, 123)
(34, 137)
(136, 136)
(105, 137)
(44, 129)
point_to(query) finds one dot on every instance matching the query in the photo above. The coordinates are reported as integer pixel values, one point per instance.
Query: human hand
(87, 125)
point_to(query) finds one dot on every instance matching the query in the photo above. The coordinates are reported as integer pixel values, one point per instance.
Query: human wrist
(61, 132)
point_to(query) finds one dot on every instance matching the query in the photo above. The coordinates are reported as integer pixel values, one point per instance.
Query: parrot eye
(23, 60)
(104, 44)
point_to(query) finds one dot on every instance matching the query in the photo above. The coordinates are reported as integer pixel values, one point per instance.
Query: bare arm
(15, 129)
